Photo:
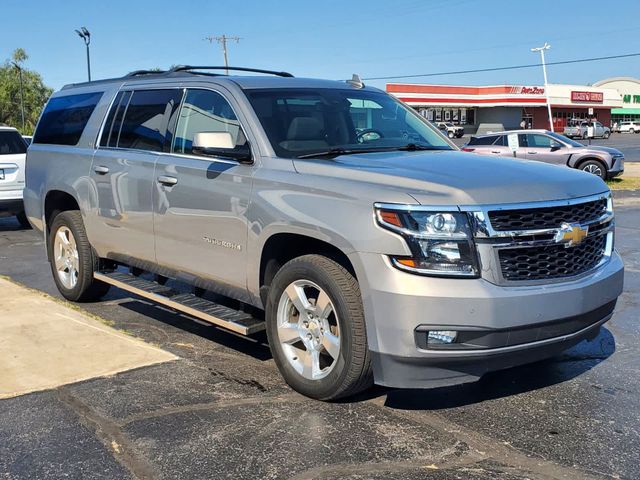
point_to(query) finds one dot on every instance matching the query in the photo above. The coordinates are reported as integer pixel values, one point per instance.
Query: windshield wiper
(334, 152)
(412, 147)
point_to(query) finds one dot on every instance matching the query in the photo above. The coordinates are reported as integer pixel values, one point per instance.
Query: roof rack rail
(136, 73)
(186, 68)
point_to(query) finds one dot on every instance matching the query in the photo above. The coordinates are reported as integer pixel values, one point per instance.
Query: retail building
(491, 108)
(629, 90)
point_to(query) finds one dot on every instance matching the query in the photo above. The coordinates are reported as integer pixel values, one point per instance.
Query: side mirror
(555, 148)
(220, 144)
(213, 140)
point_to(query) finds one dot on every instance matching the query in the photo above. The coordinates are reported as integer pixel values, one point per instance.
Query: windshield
(566, 140)
(301, 122)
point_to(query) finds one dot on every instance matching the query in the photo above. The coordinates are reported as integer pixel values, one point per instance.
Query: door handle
(532, 153)
(101, 170)
(495, 151)
(166, 180)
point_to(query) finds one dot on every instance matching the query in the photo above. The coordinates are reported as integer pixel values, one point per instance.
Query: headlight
(440, 242)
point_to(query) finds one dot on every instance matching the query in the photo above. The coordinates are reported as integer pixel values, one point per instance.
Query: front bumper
(11, 201)
(617, 168)
(398, 303)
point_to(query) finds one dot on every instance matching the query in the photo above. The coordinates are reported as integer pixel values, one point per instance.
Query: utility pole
(222, 40)
(541, 49)
(84, 34)
(19, 68)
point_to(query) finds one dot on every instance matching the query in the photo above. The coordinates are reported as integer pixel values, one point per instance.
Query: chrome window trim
(134, 88)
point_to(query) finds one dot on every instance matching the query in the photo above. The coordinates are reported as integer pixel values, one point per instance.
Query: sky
(328, 39)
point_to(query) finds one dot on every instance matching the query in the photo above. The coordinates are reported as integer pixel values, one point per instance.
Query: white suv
(629, 127)
(13, 150)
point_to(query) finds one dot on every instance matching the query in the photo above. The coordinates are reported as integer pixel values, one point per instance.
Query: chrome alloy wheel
(65, 257)
(308, 329)
(595, 169)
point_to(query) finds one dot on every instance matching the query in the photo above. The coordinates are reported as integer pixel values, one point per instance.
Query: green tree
(35, 92)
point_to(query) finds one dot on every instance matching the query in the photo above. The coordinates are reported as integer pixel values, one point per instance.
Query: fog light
(441, 336)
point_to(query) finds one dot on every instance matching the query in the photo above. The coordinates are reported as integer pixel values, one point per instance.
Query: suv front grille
(546, 217)
(551, 261)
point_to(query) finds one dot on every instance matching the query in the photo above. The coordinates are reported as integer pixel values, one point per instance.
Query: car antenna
(356, 81)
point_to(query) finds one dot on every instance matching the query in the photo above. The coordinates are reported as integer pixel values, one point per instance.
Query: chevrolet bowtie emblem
(571, 234)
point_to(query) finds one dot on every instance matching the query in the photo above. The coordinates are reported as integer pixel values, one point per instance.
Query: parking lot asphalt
(628, 144)
(222, 411)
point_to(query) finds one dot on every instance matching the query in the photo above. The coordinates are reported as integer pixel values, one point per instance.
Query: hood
(457, 178)
(609, 150)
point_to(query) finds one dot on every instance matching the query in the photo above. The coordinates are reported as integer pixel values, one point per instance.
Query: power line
(222, 40)
(513, 67)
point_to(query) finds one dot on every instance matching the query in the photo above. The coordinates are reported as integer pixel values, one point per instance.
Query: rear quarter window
(65, 118)
(11, 143)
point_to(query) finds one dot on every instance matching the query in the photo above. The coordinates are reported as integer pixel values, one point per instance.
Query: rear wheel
(595, 167)
(316, 329)
(72, 259)
(631, 130)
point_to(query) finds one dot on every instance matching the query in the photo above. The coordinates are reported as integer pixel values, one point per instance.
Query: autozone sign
(530, 90)
(587, 97)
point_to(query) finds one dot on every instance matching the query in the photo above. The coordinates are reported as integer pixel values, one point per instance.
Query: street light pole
(84, 34)
(541, 49)
(15, 64)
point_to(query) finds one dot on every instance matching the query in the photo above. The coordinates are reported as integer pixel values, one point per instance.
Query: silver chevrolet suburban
(329, 214)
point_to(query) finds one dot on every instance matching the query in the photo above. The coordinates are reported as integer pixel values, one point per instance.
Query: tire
(595, 167)
(451, 135)
(606, 135)
(23, 220)
(584, 136)
(348, 370)
(631, 130)
(75, 258)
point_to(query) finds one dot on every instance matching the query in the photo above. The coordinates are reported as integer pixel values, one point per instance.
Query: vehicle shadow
(255, 346)
(570, 364)
(11, 224)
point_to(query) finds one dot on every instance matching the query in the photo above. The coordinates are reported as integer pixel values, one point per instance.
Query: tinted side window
(489, 140)
(145, 120)
(65, 118)
(522, 140)
(11, 143)
(112, 126)
(541, 141)
(205, 111)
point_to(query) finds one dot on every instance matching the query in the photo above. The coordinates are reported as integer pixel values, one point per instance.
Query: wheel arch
(280, 247)
(582, 160)
(57, 201)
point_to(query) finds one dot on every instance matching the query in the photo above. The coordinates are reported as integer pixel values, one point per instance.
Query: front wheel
(316, 329)
(450, 134)
(73, 260)
(595, 167)
(606, 135)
